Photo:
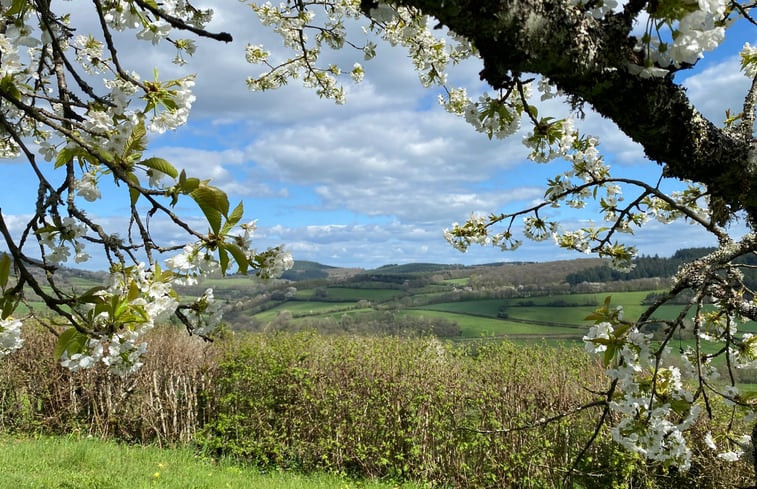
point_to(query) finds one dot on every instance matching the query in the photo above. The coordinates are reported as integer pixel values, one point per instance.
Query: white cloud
(419, 166)
(717, 88)
(389, 170)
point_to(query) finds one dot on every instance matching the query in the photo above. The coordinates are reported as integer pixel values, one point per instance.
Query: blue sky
(374, 181)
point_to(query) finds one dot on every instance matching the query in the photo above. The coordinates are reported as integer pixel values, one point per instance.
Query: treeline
(644, 267)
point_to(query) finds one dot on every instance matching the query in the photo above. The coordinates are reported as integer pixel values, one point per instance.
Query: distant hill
(310, 270)
(414, 268)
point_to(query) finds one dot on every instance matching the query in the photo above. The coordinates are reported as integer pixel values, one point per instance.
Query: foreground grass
(70, 463)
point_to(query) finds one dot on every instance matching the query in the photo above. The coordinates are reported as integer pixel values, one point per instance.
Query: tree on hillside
(619, 59)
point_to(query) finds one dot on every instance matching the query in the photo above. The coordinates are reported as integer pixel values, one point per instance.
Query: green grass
(350, 294)
(485, 307)
(347, 294)
(624, 298)
(458, 281)
(474, 327)
(309, 308)
(83, 283)
(68, 463)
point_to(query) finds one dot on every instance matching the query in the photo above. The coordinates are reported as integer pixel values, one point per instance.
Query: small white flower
(731, 456)
(87, 187)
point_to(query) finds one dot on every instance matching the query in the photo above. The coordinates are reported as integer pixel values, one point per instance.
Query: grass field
(69, 463)
(486, 307)
(458, 281)
(348, 294)
(473, 327)
(308, 308)
(557, 316)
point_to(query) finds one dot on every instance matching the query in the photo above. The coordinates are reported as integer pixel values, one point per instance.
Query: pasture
(556, 317)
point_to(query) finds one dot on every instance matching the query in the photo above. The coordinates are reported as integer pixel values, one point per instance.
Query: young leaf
(65, 156)
(90, 296)
(160, 165)
(133, 192)
(213, 203)
(239, 257)
(223, 258)
(5, 269)
(9, 304)
(211, 214)
(236, 215)
(70, 341)
(136, 143)
(215, 197)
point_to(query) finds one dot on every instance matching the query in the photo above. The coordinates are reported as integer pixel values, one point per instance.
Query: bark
(587, 59)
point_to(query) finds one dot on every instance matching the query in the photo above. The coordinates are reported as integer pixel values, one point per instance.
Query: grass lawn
(68, 463)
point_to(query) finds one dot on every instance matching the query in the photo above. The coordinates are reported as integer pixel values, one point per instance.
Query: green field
(357, 294)
(485, 307)
(557, 316)
(473, 326)
(305, 308)
(458, 281)
(68, 463)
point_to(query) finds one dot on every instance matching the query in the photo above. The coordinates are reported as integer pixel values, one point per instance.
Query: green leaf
(160, 165)
(609, 355)
(188, 185)
(136, 143)
(621, 330)
(90, 295)
(236, 215)
(65, 156)
(214, 204)
(133, 192)
(596, 316)
(8, 86)
(9, 304)
(17, 6)
(5, 269)
(223, 258)
(239, 257)
(70, 341)
(133, 291)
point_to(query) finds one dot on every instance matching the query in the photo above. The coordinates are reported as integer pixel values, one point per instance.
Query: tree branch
(587, 59)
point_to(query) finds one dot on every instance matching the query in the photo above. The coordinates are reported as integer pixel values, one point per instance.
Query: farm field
(474, 326)
(558, 316)
(352, 294)
(309, 308)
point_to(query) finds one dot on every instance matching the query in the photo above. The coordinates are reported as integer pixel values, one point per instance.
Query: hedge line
(380, 407)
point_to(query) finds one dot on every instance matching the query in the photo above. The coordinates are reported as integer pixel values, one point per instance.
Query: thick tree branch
(588, 60)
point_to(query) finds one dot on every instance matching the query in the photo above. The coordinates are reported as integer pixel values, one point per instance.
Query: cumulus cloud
(386, 172)
(717, 88)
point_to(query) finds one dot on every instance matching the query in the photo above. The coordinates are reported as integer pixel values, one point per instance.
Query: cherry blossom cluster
(87, 134)
(678, 33)
(656, 399)
(10, 336)
(305, 27)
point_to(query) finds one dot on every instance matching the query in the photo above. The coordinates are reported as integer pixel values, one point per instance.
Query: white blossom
(10, 335)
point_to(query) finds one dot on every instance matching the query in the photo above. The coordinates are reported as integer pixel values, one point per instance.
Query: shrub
(389, 407)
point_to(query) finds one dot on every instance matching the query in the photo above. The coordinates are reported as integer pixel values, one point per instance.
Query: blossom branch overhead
(92, 134)
(586, 52)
